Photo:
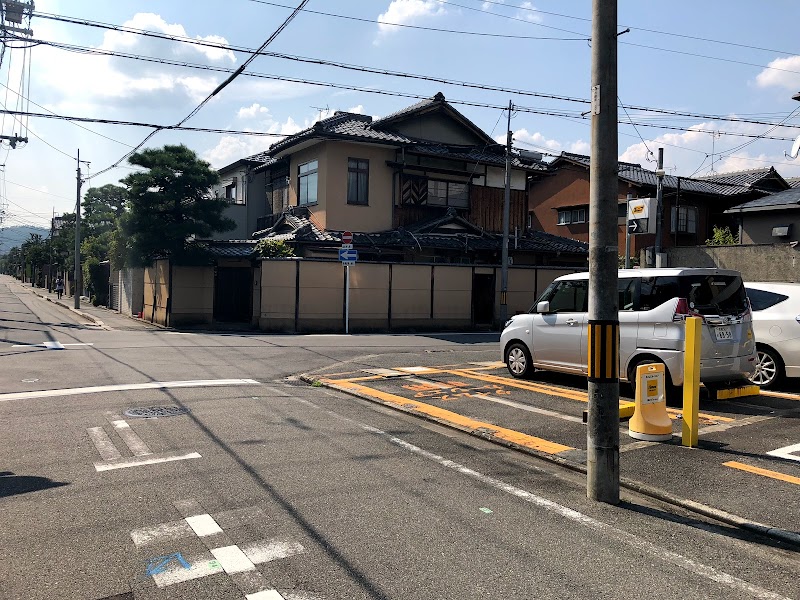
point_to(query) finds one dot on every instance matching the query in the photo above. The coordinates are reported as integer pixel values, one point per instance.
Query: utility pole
(602, 436)
(628, 231)
(50, 264)
(506, 218)
(659, 205)
(77, 273)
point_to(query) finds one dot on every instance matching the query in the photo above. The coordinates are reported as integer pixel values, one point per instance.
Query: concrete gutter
(78, 312)
(565, 461)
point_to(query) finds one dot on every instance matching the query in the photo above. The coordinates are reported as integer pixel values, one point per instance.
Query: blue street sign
(348, 254)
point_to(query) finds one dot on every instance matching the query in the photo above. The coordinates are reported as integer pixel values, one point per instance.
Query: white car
(776, 323)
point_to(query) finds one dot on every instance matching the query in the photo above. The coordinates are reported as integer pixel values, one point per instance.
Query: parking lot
(747, 462)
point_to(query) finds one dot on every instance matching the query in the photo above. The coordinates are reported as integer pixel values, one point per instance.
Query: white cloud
(252, 111)
(404, 12)
(231, 148)
(526, 12)
(489, 5)
(773, 77)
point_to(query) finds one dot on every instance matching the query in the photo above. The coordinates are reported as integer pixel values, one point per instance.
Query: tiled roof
(494, 154)
(787, 198)
(793, 181)
(636, 174)
(437, 99)
(231, 248)
(746, 177)
(261, 157)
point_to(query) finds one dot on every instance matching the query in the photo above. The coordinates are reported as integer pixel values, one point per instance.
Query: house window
(231, 193)
(307, 183)
(684, 219)
(572, 215)
(357, 181)
(448, 193)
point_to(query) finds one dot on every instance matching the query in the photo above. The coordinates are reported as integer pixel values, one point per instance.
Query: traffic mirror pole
(602, 460)
(628, 231)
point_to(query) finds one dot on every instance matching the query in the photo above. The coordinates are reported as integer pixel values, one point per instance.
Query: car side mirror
(543, 307)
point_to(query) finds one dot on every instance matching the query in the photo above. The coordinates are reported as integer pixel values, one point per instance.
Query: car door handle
(571, 322)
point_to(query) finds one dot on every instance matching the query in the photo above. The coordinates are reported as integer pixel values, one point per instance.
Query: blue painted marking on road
(348, 254)
(159, 564)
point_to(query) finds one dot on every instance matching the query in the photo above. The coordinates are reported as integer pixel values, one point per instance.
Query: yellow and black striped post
(603, 351)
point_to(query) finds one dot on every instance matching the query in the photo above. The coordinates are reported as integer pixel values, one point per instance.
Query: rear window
(761, 299)
(706, 294)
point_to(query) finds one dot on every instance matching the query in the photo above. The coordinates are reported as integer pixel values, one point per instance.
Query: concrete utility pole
(659, 205)
(506, 218)
(77, 274)
(602, 464)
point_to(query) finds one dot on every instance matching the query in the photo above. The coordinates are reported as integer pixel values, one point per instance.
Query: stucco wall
(757, 227)
(156, 292)
(316, 152)
(131, 291)
(756, 263)
(193, 295)
(278, 298)
(452, 296)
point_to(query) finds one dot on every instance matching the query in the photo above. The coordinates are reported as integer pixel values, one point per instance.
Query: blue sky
(655, 70)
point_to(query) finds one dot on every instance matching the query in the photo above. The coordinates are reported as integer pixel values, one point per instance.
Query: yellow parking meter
(650, 420)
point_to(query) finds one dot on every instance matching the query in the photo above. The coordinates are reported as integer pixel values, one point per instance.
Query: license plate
(723, 333)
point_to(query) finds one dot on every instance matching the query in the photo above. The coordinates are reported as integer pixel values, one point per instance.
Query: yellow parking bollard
(691, 381)
(650, 420)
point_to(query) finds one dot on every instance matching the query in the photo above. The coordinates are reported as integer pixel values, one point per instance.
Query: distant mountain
(14, 236)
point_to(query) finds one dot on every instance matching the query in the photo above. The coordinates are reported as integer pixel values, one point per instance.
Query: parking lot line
(440, 414)
(786, 395)
(764, 472)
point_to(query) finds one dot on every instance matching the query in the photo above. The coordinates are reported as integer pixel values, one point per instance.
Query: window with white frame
(568, 216)
(684, 219)
(307, 183)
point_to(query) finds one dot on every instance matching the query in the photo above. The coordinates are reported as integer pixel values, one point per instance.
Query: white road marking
(200, 566)
(128, 435)
(786, 452)
(232, 559)
(605, 530)
(416, 369)
(164, 531)
(265, 595)
(534, 409)
(383, 372)
(142, 461)
(50, 345)
(267, 551)
(203, 525)
(103, 443)
(155, 385)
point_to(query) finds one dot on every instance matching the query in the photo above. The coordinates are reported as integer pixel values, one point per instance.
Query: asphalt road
(271, 488)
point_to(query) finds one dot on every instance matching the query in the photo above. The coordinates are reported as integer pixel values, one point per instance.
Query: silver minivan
(653, 304)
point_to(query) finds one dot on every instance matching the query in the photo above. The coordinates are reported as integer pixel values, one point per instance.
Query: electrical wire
(218, 89)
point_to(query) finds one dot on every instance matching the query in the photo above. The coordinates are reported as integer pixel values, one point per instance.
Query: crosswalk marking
(203, 525)
(132, 441)
(141, 461)
(232, 559)
(265, 595)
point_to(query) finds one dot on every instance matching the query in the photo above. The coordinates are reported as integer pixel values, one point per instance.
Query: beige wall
(452, 295)
(332, 211)
(193, 295)
(278, 278)
(156, 292)
(321, 295)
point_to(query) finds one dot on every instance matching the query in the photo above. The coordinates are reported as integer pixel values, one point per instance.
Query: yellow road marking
(570, 394)
(509, 435)
(786, 395)
(765, 472)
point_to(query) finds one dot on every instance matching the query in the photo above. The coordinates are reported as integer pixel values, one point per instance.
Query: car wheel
(518, 360)
(769, 368)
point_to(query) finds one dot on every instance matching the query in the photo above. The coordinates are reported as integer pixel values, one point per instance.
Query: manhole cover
(153, 412)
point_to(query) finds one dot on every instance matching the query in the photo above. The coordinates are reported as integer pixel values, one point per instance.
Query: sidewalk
(94, 314)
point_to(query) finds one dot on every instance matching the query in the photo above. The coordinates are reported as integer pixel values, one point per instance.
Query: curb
(85, 315)
(775, 533)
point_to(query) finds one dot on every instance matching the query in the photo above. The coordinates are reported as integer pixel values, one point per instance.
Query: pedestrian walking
(59, 287)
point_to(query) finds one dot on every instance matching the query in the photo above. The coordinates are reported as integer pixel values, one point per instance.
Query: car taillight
(682, 311)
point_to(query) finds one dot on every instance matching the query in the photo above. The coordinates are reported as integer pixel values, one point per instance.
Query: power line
(350, 67)
(219, 88)
(39, 191)
(633, 27)
(435, 29)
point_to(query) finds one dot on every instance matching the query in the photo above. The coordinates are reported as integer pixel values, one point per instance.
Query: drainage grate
(153, 412)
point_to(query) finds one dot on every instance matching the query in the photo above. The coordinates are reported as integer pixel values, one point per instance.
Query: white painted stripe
(203, 525)
(262, 552)
(416, 369)
(132, 441)
(534, 409)
(103, 443)
(157, 533)
(54, 345)
(265, 595)
(603, 529)
(201, 566)
(232, 559)
(141, 461)
(786, 452)
(383, 372)
(155, 385)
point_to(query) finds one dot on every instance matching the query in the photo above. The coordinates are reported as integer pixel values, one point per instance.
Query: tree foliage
(169, 206)
(722, 236)
(268, 248)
